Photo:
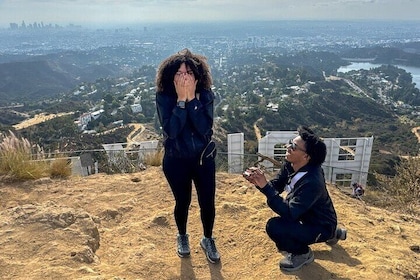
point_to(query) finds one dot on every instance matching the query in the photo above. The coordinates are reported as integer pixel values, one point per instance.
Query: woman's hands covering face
(185, 84)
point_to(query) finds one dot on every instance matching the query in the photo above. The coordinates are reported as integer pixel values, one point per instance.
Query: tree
(108, 98)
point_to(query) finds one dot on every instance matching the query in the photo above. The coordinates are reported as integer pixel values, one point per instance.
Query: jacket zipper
(202, 154)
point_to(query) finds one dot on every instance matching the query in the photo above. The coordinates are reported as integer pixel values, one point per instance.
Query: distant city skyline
(126, 12)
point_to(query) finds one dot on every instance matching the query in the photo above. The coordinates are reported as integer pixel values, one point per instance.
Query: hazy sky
(85, 12)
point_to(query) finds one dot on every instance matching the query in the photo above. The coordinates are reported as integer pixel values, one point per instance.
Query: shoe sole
(207, 255)
(333, 241)
(343, 235)
(183, 255)
(290, 269)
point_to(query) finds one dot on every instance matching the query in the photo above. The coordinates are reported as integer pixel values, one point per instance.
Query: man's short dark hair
(314, 146)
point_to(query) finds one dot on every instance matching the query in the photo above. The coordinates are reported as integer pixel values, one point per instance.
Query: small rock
(415, 248)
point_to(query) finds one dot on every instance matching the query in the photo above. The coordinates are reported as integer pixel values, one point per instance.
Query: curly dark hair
(315, 147)
(168, 68)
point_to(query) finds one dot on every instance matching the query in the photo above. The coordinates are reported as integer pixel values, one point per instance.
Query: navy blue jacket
(186, 132)
(308, 202)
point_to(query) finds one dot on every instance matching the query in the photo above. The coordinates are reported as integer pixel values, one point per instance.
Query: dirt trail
(257, 129)
(138, 129)
(416, 131)
(37, 119)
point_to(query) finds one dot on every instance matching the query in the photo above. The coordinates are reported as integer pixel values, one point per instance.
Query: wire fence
(138, 158)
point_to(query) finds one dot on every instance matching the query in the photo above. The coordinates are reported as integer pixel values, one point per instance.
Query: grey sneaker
(183, 245)
(210, 248)
(340, 234)
(294, 262)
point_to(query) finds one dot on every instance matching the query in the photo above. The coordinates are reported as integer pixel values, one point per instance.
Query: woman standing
(184, 102)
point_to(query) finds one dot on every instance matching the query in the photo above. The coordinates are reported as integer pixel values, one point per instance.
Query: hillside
(47, 77)
(121, 227)
(32, 80)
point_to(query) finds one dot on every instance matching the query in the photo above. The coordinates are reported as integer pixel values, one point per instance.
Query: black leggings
(180, 174)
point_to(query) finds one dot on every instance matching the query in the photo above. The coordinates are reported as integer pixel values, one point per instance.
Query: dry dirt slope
(121, 227)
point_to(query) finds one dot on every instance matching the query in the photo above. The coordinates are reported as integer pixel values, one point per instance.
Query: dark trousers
(294, 236)
(181, 173)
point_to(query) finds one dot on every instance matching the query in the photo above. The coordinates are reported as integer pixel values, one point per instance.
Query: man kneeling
(307, 214)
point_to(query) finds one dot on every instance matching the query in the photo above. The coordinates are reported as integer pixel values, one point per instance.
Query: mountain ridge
(40, 78)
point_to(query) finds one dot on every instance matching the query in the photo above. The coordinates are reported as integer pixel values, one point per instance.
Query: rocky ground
(121, 227)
